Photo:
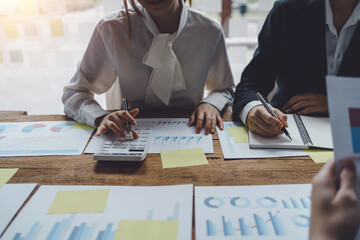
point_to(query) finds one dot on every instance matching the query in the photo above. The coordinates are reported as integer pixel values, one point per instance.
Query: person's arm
(220, 83)
(95, 74)
(335, 212)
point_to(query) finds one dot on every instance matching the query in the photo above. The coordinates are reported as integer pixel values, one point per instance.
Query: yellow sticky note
(81, 126)
(320, 156)
(147, 230)
(239, 134)
(79, 201)
(1, 57)
(6, 174)
(183, 158)
(56, 27)
(11, 29)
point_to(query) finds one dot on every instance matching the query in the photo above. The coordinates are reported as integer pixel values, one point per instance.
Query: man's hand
(307, 104)
(260, 121)
(334, 212)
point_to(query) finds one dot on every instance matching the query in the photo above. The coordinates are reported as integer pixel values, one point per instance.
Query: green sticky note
(183, 158)
(81, 126)
(79, 201)
(6, 174)
(320, 156)
(239, 134)
(147, 230)
(56, 27)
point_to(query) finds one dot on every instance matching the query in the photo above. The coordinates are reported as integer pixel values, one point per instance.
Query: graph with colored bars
(250, 215)
(354, 114)
(83, 230)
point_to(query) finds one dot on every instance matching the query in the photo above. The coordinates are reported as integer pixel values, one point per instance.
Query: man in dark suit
(300, 43)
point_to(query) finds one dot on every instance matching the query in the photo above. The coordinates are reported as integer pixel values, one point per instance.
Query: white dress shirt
(198, 45)
(336, 46)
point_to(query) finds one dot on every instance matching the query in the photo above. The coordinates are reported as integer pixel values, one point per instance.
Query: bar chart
(354, 114)
(252, 212)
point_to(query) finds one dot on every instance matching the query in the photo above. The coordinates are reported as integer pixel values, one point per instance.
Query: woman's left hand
(208, 115)
(305, 104)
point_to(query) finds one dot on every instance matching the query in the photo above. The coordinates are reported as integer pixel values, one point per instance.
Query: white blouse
(199, 46)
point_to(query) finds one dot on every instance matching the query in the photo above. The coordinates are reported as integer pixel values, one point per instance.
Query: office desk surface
(76, 170)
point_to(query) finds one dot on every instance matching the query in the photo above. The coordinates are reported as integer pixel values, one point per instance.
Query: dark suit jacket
(292, 52)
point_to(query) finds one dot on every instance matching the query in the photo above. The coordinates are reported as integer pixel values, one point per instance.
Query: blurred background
(41, 42)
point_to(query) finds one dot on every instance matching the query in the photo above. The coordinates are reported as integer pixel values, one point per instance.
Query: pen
(126, 108)
(268, 108)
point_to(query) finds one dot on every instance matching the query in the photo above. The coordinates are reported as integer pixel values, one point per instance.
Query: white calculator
(117, 148)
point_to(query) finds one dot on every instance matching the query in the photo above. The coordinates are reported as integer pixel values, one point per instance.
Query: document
(306, 132)
(253, 212)
(43, 138)
(12, 197)
(235, 150)
(168, 134)
(125, 206)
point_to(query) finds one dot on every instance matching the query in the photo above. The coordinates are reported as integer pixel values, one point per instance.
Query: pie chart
(33, 128)
(62, 127)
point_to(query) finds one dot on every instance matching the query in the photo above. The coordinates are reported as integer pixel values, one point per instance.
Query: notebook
(306, 132)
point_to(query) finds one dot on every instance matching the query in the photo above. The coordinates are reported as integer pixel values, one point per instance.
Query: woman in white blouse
(163, 53)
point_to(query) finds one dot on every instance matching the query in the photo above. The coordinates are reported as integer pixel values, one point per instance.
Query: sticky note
(28, 7)
(320, 156)
(183, 158)
(147, 230)
(239, 134)
(81, 126)
(79, 201)
(6, 174)
(11, 29)
(1, 57)
(56, 27)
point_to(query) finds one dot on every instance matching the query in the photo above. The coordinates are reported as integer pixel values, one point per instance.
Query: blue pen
(126, 108)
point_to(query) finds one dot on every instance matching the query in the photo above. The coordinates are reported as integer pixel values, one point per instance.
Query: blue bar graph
(210, 228)
(245, 229)
(285, 203)
(278, 227)
(107, 234)
(189, 139)
(305, 203)
(228, 230)
(176, 212)
(31, 234)
(261, 227)
(295, 203)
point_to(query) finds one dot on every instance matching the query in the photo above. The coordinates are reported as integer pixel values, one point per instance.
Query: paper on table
(6, 174)
(239, 134)
(147, 230)
(56, 27)
(183, 158)
(320, 156)
(80, 201)
(12, 197)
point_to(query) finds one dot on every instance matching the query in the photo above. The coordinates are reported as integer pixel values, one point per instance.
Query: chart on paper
(43, 138)
(168, 134)
(166, 203)
(252, 212)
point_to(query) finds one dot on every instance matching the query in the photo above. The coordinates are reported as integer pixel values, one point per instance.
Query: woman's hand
(208, 114)
(116, 122)
(261, 122)
(334, 212)
(307, 104)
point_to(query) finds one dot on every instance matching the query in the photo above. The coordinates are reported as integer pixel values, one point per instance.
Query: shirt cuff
(220, 100)
(245, 111)
(90, 113)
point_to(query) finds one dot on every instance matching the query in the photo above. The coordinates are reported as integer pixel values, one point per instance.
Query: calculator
(116, 148)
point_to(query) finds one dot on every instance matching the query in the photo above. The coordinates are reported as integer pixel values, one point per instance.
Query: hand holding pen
(261, 121)
(119, 122)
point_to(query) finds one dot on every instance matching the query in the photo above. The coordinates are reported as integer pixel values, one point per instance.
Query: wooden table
(82, 170)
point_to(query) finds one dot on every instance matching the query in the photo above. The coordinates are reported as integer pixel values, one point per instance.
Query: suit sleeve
(260, 74)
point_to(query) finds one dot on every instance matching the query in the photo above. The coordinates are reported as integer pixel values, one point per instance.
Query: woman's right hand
(116, 122)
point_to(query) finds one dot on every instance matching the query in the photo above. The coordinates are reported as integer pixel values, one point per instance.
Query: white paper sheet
(42, 138)
(252, 212)
(12, 197)
(124, 203)
(168, 134)
(233, 150)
